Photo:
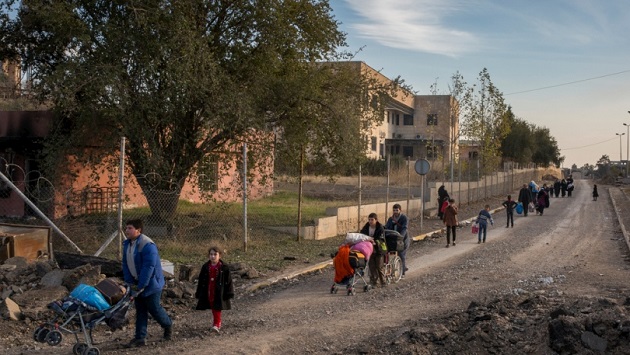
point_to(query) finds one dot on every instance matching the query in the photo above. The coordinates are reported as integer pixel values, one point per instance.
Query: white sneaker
(216, 329)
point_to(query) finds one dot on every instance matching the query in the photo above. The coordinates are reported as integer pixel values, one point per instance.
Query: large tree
(180, 79)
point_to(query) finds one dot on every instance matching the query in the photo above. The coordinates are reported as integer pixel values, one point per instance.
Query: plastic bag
(91, 296)
(519, 208)
(475, 228)
(531, 207)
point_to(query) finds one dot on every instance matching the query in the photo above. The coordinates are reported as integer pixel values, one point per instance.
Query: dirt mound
(529, 323)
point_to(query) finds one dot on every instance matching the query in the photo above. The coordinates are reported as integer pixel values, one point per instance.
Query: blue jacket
(148, 266)
(483, 218)
(399, 226)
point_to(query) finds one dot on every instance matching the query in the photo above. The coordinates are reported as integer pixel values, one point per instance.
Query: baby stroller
(85, 308)
(349, 270)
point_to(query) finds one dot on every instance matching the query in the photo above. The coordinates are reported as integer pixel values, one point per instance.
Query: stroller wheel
(53, 337)
(366, 288)
(36, 332)
(91, 351)
(41, 335)
(351, 291)
(79, 348)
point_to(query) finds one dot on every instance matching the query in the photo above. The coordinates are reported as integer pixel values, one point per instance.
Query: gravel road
(502, 296)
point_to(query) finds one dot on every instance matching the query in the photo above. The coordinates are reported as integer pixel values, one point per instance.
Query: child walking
(509, 205)
(595, 193)
(215, 288)
(483, 218)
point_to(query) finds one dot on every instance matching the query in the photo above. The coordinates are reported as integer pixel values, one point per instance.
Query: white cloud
(415, 25)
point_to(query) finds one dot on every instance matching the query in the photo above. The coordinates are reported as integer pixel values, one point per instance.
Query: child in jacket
(482, 219)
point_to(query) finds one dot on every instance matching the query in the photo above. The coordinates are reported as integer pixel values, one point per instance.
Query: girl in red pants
(214, 289)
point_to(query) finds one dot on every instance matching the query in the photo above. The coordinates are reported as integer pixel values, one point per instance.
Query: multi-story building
(415, 126)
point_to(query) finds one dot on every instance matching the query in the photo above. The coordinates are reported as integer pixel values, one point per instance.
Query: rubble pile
(26, 289)
(521, 323)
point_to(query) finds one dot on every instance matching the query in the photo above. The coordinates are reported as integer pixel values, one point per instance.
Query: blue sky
(531, 49)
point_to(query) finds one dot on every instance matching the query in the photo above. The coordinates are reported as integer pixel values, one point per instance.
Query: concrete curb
(623, 228)
(273, 280)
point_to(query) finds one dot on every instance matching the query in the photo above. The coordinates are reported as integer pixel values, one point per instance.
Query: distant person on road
(450, 221)
(376, 263)
(482, 219)
(524, 197)
(215, 288)
(399, 223)
(442, 197)
(570, 185)
(563, 187)
(509, 205)
(556, 188)
(543, 201)
(595, 193)
(533, 191)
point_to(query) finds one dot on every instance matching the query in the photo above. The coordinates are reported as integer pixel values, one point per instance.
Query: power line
(590, 145)
(569, 83)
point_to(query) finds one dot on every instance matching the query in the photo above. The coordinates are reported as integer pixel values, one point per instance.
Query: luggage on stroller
(349, 270)
(394, 240)
(74, 315)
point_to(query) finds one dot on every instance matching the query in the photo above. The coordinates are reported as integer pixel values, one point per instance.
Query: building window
(408, 120)
(381, 150)
(394, 150)
(388, 114)
(373, 139)
(432, 119)
(407, 151)
(397, 123)
(473, 155)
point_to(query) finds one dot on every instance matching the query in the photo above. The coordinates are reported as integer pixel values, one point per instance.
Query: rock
(40, 298)
(188, 272)
(5, 267)
(564, 334)
(594, 342)
(53, 278)
(86, 274)
(42, 268)
(8, 292)
(10, 310)
(174, 292)
(250, 274)
(18, 261)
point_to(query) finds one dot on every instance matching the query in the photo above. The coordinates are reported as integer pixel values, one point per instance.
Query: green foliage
(484, 118)
(181, 80)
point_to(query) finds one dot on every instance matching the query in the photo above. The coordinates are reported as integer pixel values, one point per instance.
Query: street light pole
(620, 134)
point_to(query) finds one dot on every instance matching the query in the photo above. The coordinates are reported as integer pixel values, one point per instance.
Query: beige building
(415, 126)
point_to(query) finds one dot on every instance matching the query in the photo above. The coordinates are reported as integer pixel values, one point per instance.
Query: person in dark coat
(373, 228)
(524, 197)
(442, 197)
(543, 201)
(215, 288)
(563, 187)
(595, 193)
(556, 188)
(570, 185)
(399, 222)
(450, 221)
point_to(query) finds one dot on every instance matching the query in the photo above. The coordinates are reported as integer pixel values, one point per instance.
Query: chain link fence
(92, 217)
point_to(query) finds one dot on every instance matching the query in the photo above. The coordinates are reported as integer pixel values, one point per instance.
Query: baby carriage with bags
(350, 262)
(84, 309)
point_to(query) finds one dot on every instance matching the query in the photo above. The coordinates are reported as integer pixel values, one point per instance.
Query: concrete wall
(343, 220)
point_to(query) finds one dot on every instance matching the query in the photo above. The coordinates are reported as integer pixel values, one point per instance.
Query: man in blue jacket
(142, 270)
(399, 223)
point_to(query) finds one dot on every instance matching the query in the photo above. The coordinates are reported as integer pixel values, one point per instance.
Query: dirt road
(502, 296)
